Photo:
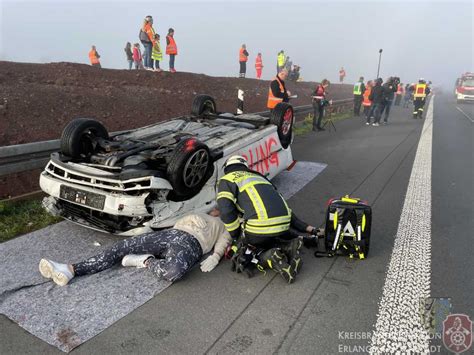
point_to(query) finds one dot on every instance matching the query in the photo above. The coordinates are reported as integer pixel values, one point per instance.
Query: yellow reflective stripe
(232, 226)
(257, 202)
(226, 194)
(244, 187)
(269, 221)
(351, 200)
(267, 230)
(363, 222)
(335, 220)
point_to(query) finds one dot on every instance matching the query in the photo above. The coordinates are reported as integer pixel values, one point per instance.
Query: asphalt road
(334, 304)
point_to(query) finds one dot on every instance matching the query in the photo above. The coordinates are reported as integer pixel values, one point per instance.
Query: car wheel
(78, 137)
(203, 104)
(189, 167)
(282, 116)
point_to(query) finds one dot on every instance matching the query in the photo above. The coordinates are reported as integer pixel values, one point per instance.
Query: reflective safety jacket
(420, 91)
(400, 90)
(250, 196)
(156, 53)
(94, 57)
(243, 55)
(258, 63)
(367, 92)
(358, 87)
(281, 59)
(171, 47)
(276, 94)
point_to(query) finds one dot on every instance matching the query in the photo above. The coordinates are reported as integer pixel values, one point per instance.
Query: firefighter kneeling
(259, 220)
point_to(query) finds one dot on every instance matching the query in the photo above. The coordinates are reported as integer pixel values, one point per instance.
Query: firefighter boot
(292, 251)
(277, 260)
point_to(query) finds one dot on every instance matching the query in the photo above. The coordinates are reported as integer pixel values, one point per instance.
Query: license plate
(81, 197)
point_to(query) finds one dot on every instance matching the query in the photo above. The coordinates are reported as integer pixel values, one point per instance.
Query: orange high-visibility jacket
(93, 57)
(171, 47)
(258, 63)
(367, 92)
(272, 99)
(242, 56)
(148, 29)
(400, 90)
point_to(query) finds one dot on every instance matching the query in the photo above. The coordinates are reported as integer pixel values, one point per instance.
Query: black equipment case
(348, 223)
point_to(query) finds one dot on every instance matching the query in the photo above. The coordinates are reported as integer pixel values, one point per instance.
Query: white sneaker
(367, 123)
(60, 273)
(136, 260)
(375, 124)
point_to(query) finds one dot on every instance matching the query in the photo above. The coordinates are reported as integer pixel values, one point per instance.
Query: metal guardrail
(30, 156)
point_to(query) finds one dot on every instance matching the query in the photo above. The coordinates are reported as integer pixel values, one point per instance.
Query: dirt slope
(42, 98)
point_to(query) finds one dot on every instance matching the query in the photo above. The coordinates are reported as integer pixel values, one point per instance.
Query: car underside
(143, 179)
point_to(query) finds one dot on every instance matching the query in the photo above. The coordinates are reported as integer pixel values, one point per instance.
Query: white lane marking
(465, 114)
(398, 328)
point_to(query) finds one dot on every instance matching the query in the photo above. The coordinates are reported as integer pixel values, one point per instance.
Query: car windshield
(468, 82)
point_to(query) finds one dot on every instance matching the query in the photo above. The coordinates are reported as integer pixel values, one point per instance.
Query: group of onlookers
(152, 55)
(376, 97)
(283, 62)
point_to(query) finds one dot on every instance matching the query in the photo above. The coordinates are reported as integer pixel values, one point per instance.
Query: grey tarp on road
(68, 316)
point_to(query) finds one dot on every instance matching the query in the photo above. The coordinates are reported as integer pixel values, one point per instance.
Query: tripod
(329, 120)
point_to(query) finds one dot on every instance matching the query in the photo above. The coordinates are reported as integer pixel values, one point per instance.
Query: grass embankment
(22, 217)
(307, 124)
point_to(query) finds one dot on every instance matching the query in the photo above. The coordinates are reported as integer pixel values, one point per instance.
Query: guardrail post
(240, 102)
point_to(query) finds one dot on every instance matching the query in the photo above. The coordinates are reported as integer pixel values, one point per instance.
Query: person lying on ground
(168, 253)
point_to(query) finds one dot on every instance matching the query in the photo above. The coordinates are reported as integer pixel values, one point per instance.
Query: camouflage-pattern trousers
(175, 253)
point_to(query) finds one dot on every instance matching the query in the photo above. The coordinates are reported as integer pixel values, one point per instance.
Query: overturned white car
(146, 178)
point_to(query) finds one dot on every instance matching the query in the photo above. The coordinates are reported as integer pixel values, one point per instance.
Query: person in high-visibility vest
(277, 92)
(366, 101)
(171, 49)
(255, 213)
(419, 97)
(94, 57)
(399, 94)
(281, 60)
(259, 65)
(358, 91)
(156, 54)
(243, 57)
(147, 37)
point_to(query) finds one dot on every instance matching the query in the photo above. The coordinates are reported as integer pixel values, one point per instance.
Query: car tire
(203, 104)
(282, 116)
(77, 137)
(189, 167)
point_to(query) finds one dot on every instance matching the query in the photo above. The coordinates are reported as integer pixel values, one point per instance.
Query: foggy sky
(426, 39)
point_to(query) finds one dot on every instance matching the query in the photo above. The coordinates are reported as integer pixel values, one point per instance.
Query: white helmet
(236, 159)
